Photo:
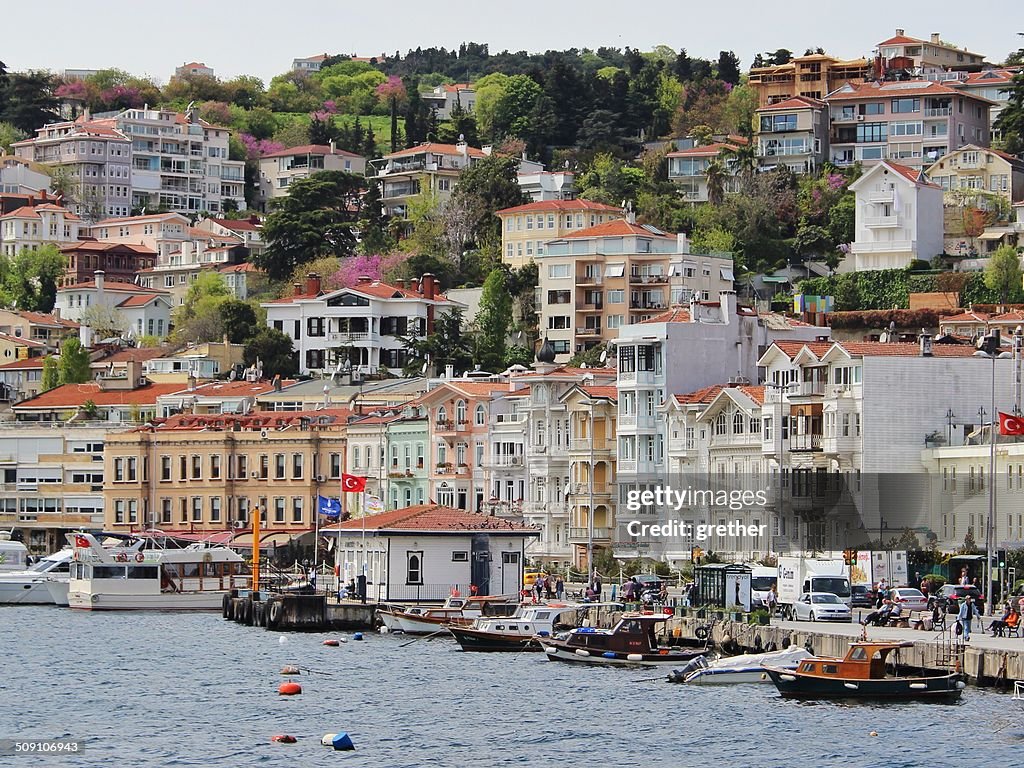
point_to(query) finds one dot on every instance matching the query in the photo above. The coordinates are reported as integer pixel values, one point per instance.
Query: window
(460, 557)
(119, 511)
(296, 466)
(335, 466)
(481, 416)
(215, 502)
(165, 468)
(414, 567)
(869, 132)
(197, 467)
(905, 105)
(297, 509)
(279, 509)
(616, 296)
(197, 509)
(118, 470)
(871, 109)
(215, 466)
(279, 466)
(165, 510)
(558, 270)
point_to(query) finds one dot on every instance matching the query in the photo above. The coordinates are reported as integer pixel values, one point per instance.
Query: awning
(992, 235)
(727, 273)
(615, 270)
(267, 541)
(772, 279)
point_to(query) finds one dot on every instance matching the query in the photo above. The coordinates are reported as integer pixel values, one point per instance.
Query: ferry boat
(731, 670)
(419, 620)
(631, 642)
(519, 631)
(195, 578)
(862, 674)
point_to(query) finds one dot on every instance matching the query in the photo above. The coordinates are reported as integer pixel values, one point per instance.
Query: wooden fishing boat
(459, 611)
(862, 674)
(530, 621)
(631, 642)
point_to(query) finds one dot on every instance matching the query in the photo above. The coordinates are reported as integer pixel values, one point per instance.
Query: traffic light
(850, 556)
(1001, 556)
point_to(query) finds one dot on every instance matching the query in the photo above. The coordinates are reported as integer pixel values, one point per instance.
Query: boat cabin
(634, 633)
(864, 661)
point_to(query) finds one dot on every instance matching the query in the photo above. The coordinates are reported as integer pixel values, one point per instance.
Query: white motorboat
(195, 578)
(29, 587)
(531, 622)
(747, 668)
(417, 620)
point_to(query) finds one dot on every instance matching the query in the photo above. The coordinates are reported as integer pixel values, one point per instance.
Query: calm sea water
(194, 690)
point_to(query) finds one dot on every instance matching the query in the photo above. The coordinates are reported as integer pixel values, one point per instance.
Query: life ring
(121, 557)
(140, 558)
(701, 633)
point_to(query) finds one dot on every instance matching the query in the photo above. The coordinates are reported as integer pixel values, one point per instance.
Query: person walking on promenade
(559, 588)
(597, 584)
(965, 615)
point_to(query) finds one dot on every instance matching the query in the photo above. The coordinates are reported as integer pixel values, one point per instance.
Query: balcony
(881, 222)
(352, 337)
(939, 112)
(506, 461)
(581, 535)
(809, 389)
(641, 279)
(589, 280)
(804, 443)
(588, 331)
(589, 307)
(585, 444)
(881, 197)
(646, 304)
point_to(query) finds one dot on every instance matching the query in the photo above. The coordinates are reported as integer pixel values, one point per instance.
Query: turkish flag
(81, 541)
(352, 483)
(1010, 425)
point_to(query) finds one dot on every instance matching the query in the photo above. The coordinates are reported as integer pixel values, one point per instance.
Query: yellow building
(815, 76)
(206, 473)
(525, 228)
(970, 170)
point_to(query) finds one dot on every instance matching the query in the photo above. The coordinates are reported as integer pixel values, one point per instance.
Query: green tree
(373, 226)
(487, 186)
(28, 280)
(715, 175)
(274, 351)
(51, 373)
(740, 108)
(1010, 122)
(1003, 273)
(105, 321)
(200, 317)
(494, 320)
(74, 362)
(9, 134)
(512, 111)
(447, 345)
(316, 219)
(588, 358)
(238, 319)
(609, 181)
(28, 100)
(729, 67)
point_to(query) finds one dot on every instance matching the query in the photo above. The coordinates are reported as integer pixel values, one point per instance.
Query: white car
(910, 599)
(821, 606)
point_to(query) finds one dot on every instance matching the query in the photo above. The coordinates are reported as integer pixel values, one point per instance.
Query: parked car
(910, 599)
(950, 595)
(862, 596)
(821, 606)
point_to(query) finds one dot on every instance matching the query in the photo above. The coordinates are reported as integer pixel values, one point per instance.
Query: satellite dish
(604, 355)
(462, 137)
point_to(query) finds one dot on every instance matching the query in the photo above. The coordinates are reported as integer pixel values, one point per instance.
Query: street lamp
(988, 346)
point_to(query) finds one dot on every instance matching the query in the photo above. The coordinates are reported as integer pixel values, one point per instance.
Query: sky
(261, 37)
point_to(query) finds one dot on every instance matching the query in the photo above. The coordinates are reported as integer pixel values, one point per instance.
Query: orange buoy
(283, 738)
(290, 670)
(332, 643)
(289, 689)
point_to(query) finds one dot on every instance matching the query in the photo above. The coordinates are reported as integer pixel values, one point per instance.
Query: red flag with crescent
(352, 483)
(1010, 424)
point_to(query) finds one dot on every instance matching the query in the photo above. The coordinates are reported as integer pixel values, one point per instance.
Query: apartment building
(363, 325)
(47, 328)
(902, 55)
(206, 474)
(597, 280)
(248, 231)
(21, 177)
(688, 168)
(51, 481)
(898, 218)
(812, 76)
(912, 122)
(19, 379)
(526, 228)
(180, 162)
(443, 98)
(541, 185)
(30, 227)
(95, 155)
(969, 171)
(992, 84)
(278, 170)
(162, 233)
(309, 64)
(194, 68)
(426, 168)
(793, 133)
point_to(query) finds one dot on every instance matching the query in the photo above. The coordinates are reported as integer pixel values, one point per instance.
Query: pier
(297, 613)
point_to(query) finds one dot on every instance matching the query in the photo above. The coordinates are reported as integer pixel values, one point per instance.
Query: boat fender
(635, 657)
(873, 733)
(918, 686)
(283, 738)
(701, 633)
(282, 640)
(357, 636)
(95, 598)
(275, 613)
(764, 675)
(331, 642)
(289, 670)
(581, 652)
(327, 739)
(851, 686)
(225, 605)
(543, 633)
(609, 654)
(787, 678)
(384, 630)
(342, 742)
(289, 689)
(550, 650)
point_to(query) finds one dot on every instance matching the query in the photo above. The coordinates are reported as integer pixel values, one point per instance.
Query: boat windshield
(50, 564)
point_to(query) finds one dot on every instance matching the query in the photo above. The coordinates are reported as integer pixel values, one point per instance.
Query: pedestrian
(361, 588)
(560, 588)
(538, 586)
(771, 600)
(965, 615)
(597, 584)
(964, 581)
(549, 587)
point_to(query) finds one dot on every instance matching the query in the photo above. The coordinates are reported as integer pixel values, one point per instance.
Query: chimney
(98, 277)
(935, 38)
(926, 343)
(727, 299)
(298, 288)
(332, 146)
(313, 284)
(899, 32)
(364, 279)
(449, 372)
(682, 243)
(191, 381)
(428, 286)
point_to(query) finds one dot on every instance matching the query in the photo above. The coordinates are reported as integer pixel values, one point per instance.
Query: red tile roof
(917, 176)
(616, 228)
(237, 225)
(21, 340)
(138, 300)
(140, 219)
(677, 314)
(236, 388)
(967, 317)
(989, 77)
(901, 40)
(702, 396)
(792, 348)
(103, 246)
(74, 395)
(607, 391)
(42, 318)
(545, 206)
(754, 392)
(794, 102)
(27, 210)
(437, 149)
(113, 285)
(136, 354)
(17, 365)
(251, 421)
(707, 150)
(432, 517)
(883, 349)
(889, 90)
(1013, 316)
(243, 267)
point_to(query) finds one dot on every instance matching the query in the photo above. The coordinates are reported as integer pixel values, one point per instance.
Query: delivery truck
(798, 575)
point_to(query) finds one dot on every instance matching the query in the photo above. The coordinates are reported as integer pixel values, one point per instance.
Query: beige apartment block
(971, 170)
(525, 228)
(814, 76)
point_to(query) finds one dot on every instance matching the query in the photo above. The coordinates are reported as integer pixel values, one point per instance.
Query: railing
(581, 534)
(587, 331)
(348, 337)
(506, 461)
(811, 388)
(881, 197)
(938, 112)
(808, 442)
(647, 279)
(881, 221)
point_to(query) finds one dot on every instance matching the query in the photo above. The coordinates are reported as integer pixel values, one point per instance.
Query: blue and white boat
(748, 668)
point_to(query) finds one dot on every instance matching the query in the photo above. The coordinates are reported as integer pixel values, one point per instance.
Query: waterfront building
(813, 76)
(49, 328)
(248, 231)
(344, 390)
(30, 227)
(970, 172)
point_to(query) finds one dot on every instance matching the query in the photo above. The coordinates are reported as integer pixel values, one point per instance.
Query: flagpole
(316, 531)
